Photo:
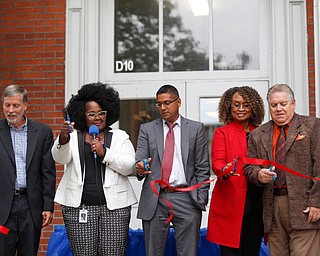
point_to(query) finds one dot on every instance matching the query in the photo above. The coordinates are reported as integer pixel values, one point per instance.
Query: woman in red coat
(235, 217)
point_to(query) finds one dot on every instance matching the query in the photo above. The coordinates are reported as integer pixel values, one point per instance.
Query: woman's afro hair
(106, 96)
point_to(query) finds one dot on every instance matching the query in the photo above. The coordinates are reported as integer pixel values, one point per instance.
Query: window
(134, 113)
(172, 35)
(136, 36)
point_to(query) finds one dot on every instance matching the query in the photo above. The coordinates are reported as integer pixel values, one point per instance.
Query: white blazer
(119, 161)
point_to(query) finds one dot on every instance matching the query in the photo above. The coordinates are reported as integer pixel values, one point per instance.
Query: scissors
(270, 168)
(68, 119)
(146, 165)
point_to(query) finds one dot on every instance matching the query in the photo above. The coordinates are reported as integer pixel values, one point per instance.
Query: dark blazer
(195, 159)
(41, 173)
(303, 156)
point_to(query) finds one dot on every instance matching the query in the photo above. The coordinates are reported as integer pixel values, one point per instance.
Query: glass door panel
(174, 35)
(135, 112)
(136, 36)
(185, 37)
(236, 35)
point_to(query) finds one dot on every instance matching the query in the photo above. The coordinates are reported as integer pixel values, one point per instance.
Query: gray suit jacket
(195, 158)
(41, 172)
(303, 156)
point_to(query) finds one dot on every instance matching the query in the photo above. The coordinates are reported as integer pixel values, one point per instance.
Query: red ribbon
(4, 230)
(245, 160)
(161, 182)
(256, 161)
(165, 200)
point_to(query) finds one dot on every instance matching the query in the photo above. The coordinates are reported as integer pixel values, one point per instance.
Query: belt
(171, 189)
(20, 191)
(280, 192)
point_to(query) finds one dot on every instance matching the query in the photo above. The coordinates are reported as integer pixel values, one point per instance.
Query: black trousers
(23, 236)
(251, 235)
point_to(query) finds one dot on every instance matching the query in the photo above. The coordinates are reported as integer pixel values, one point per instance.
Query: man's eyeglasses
(245, 106)
(92, 115)
(166, 103)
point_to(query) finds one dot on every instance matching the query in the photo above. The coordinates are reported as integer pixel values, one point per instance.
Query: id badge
(83, 216)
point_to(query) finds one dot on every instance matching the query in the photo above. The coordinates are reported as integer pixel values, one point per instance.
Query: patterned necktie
(280, 156)
(167, 159)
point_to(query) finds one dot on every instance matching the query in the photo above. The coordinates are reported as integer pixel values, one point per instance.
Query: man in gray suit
(291, 204)
(190, 167)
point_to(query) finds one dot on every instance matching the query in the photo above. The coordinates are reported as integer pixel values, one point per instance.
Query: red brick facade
(32, 53)
(311, 58)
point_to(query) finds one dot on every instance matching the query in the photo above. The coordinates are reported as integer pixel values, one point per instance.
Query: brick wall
(311, 60)
(32, 53)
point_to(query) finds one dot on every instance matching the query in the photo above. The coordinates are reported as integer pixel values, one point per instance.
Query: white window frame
(108, 52)
(283, 50)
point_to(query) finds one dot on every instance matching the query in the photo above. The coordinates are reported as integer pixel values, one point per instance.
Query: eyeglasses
(166, 103)
(92, 115)
(245, 106)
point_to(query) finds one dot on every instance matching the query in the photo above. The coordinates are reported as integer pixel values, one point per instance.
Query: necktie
(167, 159)
(280, 156)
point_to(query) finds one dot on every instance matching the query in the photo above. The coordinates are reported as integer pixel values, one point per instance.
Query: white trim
(278, 43)
(289, 61)
(91, 41)
(160, 36)
(298, 54)
(74, 52)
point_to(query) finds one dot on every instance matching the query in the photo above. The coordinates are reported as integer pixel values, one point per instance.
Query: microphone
(94, 131)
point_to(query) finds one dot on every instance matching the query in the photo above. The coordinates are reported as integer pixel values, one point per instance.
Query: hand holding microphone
(96, 145)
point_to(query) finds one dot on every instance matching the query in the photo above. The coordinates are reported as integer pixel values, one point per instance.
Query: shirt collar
(178, 121)
(21, 128)
(279, 126)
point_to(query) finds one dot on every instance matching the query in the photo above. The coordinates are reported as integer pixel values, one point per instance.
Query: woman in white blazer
(95, 193)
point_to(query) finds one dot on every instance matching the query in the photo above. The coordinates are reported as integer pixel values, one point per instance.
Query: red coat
(229, 195)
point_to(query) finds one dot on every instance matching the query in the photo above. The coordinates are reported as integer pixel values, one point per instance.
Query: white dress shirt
(177, 176)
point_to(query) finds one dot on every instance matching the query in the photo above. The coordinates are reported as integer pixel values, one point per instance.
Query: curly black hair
(106, 96)
(250, 95)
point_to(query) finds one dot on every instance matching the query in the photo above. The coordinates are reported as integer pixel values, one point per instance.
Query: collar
(24, 127)
(178, 121)
(239, 127)
(279, 126)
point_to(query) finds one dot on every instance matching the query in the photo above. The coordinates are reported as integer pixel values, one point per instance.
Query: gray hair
(280, 88)
(14, 90)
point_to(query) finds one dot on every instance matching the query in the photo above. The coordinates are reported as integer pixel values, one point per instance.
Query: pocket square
(300, 137)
